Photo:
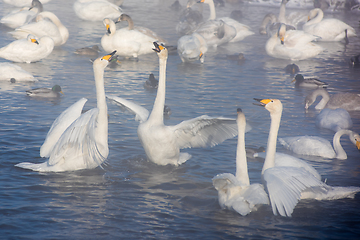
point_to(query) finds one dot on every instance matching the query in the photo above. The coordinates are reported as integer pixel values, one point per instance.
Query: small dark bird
(292, 69)
(151, 83)
(53, 92)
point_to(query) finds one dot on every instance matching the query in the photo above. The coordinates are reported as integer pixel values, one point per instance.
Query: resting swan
(293, 45)
(23, 16)
(162, 143)
(28, 50)
(47, 24)
(77, 141)
(347, 101)
(12, 72)
(317, 146)
(96, 10)
(235, 192)
(192, 48)
(329, 29)
(287, 184)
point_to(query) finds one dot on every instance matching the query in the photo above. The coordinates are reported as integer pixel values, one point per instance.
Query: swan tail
(39, 167)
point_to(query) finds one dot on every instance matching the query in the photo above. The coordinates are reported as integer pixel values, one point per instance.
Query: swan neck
(282, 12)
(157, 114)
(325, 97)
(319, 15)
(271, 144)
(241, 162)
(212, 10)
(339, 150)
(130, 23)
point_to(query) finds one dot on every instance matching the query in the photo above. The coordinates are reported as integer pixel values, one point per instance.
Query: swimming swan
(192, 48)
(12, 72)
(53, 92)
(287, 184)
(23, 3)
(334, 119)
(22, 16)
(162, 143)
(347, 101)
(47, 24)
(235, 192)
(293, 44)
(77, 141)
(329, 29)
(28, 50)
(317, 146)
(96, 10)
(309, 82)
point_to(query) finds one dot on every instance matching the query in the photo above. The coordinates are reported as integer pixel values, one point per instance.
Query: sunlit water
(131, 198)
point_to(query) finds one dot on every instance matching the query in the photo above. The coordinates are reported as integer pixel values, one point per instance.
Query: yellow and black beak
(33, 40)
(109, 57)
(262, 102)
(158, 48)
(108, 28)
(358, 145)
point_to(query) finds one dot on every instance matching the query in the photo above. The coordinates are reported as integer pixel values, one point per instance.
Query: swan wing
(61, 123)
(141, 113)
(284, 186)
(205, 131)
(78, 143)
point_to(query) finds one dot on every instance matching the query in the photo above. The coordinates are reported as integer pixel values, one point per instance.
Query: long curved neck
(241, 162)
(62, 29)
(130, 23)
(271, 144)
(282, 12)
(339, 150)
(102, 119)
(212, 10)
(318, 16)
(325, 97)
(157, 114)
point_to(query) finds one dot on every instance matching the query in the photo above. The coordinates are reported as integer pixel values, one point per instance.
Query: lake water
(131, 198)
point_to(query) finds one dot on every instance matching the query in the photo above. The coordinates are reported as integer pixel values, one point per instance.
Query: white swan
(192, 48)
(12, 72)
(53, 92)
(96, 10)
(127, 42)
(22, 16)
(77, 141)
(317, 146)
(309, 82)
(23, 3)
(329, 29)
(293, 44)
(47, 24)
(235, 192)
(28, 50)
(347, 101)
(162, 143)
(287, 184)
(334, 119)
(241, 30)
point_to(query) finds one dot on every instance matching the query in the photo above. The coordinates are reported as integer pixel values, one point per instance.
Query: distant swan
(77, 141)
(28, 50)
(192, 48)
(23, 3)
(12, 72)
(289, 183)
(300, 81)
(96, 10)
(53, 92)
(162, 143)
(317, 146)
(334, 119)
(329, 29)
(347, 101)
(235, 192)
(23, 16)
(47, 24)
(293, 45)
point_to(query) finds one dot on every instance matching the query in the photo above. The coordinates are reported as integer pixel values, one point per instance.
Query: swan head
(355, 138)
(107, 24)
(36, 4)
(272, 105)
(160, 49)
(240, 117)
(282, 32)
(104, 61)
(123, 17)
(32, 38)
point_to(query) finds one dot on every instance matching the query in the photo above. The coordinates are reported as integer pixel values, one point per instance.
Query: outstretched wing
(141, 113)
(205, 131)
(61, 123)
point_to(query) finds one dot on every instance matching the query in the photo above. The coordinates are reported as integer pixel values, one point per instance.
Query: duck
(22, 16)
(88, 51)
(334, 119)
(192, 48)
(47, 24)
(151, 82)
(287, 183)
(189, 19)
(78, 141)
(241, 30)
(235, 192)
(96, 10)
(292, 69)
(329, 29)
(128, 43)
(162, 143)
(53, 92)
(14, 73)
(28, 50)
(346, 100)
(355, 61)
(238, 57)
(309, 82)
(293, 45)
(318, 146)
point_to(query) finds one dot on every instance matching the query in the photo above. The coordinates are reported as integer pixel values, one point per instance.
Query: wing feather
(141, 113)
